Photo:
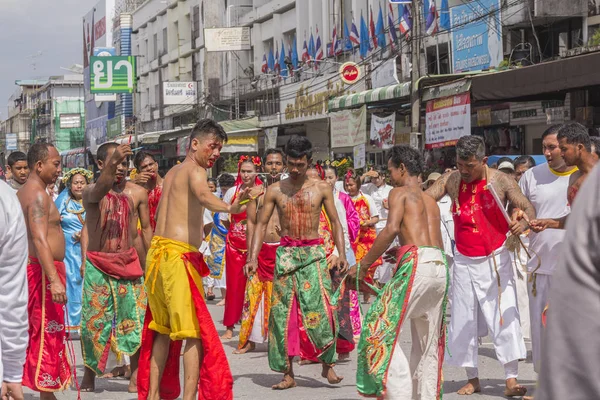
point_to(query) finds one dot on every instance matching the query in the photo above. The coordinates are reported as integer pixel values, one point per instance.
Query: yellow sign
(484, 116)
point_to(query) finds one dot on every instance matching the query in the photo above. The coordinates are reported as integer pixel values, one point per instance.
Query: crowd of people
(128, 261)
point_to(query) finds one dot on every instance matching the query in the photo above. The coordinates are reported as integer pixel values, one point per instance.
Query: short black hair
(15, 157)
(298, 147)
(552, 130)
(103, 150)
(213, 180)
(408, 156)
(205, 127)
(524, 160)
(268, 152)
(140, 157)
(470, 146)
(575, 133)
(37, 152)
(596, 143)
(504, 159)
(226, 180)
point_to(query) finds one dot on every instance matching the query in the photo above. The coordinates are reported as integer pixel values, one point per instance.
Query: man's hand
(341, 264)
(250, 268)
(59, 295)
(352, 273)
(391, 256)
(82, 269)
(77, 237)
(121, 153)
(143, 177)
(370, 174)
(331, 261)
(539, 225)
(518, 227)
(12, 391)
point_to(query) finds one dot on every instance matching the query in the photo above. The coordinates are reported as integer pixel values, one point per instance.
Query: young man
(18, 168)
(483, 281)
(522, 164)
(417, 291)
(257, 304)
(546, 188)
(114, 300)
(149, 179)
(47, 367)
(13, 296)
(301, 322)
(174, 271)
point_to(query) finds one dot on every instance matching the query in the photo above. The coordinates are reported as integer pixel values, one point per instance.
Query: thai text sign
(227, 39)
(476, 35)
(348, 127)
(383, 131)
(177, 93)
(115, 74)
(447, 120)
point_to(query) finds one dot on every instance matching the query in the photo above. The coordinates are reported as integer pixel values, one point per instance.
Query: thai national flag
(334, 40)
(305, 55)
(405, 20)
(277, 67)
(265, 66)
(432, 19)
(392, 27)
(372, 28)
(354, 37)
(319, 48)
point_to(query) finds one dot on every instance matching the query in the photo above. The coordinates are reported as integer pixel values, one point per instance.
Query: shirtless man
(482, 274)
(302, 282)
(113, 250)
(149, 178)
(414, 218)
(46, 371)
(174, 271)
(257, 303)
(576, 150)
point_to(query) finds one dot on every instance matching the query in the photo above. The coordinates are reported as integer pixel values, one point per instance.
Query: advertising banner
(359, 153)
(447, 120)
(177, 93)
(476, 35)
(11, 141)
(227, 39)
(271, 138)
(114, 74)
(348, 127)
(383, 131)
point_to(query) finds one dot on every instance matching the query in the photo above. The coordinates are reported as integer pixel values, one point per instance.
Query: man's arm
(336, 226)
(512, 193)
(199, 187)
(252, 213)
(263, 220)
(84, 241)
(94, 193)
(438, 189)
(144, 214)
(37, 218)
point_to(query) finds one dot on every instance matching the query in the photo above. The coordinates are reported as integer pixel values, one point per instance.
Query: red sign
(350, 73)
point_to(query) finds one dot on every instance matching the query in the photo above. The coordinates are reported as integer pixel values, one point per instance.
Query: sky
(27, 27)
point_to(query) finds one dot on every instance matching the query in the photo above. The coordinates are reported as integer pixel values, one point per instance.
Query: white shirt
(378, 194)
(447, 224)
(341, 212)
(546, 189)
(13, 284)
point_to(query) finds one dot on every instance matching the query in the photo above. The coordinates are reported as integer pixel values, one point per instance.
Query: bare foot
(514, 389)
(47, 396)
(88, 383)
(250, 346)
(115, 373)
(343, 356)
(304, 361)
(127, 372)
(471, 387)
(221, 303)
(132, 388)
(331, 376)
(287, 382)
(228, 334)
(527, 397)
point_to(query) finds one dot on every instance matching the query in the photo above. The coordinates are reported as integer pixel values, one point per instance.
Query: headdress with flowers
(254, 160)
(86, 173)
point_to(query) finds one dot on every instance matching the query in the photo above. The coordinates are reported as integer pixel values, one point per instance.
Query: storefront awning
(554, 76)
(369, 96)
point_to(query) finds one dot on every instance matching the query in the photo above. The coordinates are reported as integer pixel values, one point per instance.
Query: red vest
(479, 225)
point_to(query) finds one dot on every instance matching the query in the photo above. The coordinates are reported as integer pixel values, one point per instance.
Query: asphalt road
(253, 378)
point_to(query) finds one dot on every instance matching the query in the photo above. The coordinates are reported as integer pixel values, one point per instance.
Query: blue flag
(271, 61)
(347, 42)
(282, 66)
(311, 47)
(380, 30)
(364, 37)
(445, 16)
(294, 54)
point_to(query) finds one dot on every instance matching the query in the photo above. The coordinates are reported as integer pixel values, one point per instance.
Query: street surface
(253, 378)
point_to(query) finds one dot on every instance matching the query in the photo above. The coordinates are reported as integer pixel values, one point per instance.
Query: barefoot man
(483, 281)
(174, 271)
(47, 368)
(257, 305)
(302, 322)
(113, 290)
(417, 290)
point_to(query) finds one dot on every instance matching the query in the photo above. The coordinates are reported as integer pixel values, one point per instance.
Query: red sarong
(266, 262)
(235, 259)
(216, 382)
(47, 366)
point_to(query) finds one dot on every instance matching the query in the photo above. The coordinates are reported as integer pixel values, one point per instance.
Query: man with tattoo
(174, 270)
(418, 281)
(257, 303)
(302, 322)
(114, 300)
(46, 368)
(483, 282)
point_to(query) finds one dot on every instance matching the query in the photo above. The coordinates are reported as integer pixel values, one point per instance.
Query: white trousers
(518, 261)
(419, 378)
(536, 307)
(215, 283)
(475, 297)
(256, 335)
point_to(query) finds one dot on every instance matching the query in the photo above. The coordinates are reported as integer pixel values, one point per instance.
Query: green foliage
(230, 164)
(595, 39)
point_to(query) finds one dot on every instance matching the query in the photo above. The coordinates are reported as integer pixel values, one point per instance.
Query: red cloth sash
(47, 366)
(287, 241)
(479, 225)
(125, 265)
(216, 381)
(266, 262)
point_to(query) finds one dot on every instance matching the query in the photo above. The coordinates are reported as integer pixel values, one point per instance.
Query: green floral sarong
(301, 273)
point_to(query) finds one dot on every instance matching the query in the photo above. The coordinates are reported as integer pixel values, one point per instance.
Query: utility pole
(415, 99)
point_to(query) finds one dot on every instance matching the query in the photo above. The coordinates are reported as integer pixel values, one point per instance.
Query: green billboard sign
(114, 74)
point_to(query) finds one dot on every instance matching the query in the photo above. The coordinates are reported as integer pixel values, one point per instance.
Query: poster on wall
(447, 120)
(271, 138)
(383, 131)
(359, 155)
(348, 127)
